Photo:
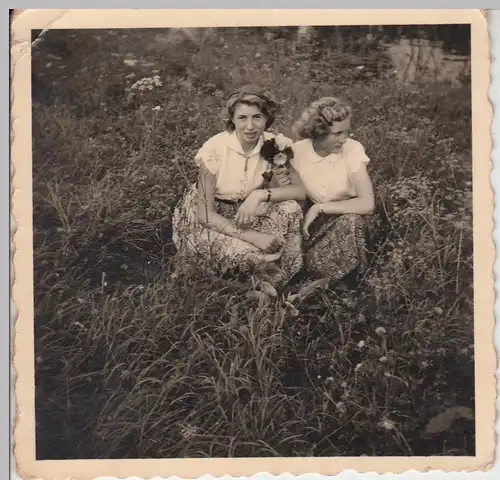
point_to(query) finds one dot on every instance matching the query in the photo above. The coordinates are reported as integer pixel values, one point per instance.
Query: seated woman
(228, 217)
(332, 168)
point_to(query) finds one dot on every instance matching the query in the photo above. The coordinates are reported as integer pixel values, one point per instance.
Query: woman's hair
(316, 120)
(250, 95)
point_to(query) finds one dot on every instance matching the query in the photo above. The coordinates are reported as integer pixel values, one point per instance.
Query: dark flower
(269, 149)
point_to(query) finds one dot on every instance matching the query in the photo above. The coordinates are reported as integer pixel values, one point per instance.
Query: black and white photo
(257, 241)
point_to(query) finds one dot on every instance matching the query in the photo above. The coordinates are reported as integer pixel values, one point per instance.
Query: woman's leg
(284, 219)
(340, 249)
(217, 250)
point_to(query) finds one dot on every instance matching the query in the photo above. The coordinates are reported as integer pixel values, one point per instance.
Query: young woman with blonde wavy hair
(333, 170)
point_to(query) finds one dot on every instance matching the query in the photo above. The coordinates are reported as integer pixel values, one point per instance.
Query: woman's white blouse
(236, 174)
(328, 179)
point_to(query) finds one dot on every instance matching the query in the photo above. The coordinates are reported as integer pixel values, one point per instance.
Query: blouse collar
(234, 144)
(315, 158)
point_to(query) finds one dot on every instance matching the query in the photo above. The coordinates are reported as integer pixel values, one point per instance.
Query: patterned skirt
(225, 253)
(339, 246)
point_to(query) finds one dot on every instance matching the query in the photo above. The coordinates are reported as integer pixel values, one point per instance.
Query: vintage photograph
(253, 242)
(257, 242)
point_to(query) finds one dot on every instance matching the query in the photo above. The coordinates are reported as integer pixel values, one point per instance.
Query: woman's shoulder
(219, 139)
(353, 146)
(302, 146)
(355, 154)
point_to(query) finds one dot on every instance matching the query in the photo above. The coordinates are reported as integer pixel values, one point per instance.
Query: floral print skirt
(339, 245)
(226, 253)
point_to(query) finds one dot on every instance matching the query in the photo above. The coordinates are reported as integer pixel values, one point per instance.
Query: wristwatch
(268, 192)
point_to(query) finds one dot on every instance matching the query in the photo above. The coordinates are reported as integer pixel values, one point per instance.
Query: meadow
(138, 357)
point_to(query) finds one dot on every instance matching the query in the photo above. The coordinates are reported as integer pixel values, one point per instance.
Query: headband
(250, 91)
(328, 122)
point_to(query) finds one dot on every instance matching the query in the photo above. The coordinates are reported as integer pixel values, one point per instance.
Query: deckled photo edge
(22, 248)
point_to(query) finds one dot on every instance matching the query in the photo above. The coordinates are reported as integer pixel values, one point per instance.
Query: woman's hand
(311, 215)
(282, 176)
(264, 241)
(248, 209)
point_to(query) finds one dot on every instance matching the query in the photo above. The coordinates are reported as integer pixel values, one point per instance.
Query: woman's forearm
(357, 205)
(282, 194)
(220, 224)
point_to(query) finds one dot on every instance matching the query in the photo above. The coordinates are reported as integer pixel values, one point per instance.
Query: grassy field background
(136, 359)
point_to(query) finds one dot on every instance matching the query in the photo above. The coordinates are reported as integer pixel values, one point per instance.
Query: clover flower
(380, 331)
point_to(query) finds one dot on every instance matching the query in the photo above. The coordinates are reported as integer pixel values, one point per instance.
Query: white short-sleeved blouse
(236, 174)
(328, 179)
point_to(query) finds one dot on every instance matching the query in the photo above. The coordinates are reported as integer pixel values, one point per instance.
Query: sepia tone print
(257, 242)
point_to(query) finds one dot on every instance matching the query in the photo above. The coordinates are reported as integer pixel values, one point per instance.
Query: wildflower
(387, 424)
(280, 159)
(282, 142)
(329, 380)
(383, 359)
(361, 344)
(438, 310)
(387, 374)
(188, 431)
(343, 384)
(380, 331)
(360, 318)
(157, 108)
(424, 364)
(358, 366)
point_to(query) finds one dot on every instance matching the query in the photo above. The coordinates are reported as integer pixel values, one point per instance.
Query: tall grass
(137, 356)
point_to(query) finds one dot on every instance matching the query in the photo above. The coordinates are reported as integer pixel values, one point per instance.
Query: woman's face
(334, 141)
(249, 123)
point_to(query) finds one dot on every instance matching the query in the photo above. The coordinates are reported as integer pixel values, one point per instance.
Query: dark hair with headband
(250, 95)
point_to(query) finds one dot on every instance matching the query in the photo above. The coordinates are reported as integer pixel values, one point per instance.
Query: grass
(136, 357)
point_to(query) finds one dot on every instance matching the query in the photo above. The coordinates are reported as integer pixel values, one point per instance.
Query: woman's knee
(291, 207)
(354, 218)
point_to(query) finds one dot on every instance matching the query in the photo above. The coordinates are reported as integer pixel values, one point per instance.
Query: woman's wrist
(319, 207)
(263, 195)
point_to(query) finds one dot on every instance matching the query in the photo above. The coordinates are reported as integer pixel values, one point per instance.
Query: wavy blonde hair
(250, 95)
(316, 119)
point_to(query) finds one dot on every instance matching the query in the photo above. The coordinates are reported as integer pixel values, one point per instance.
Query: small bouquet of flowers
(278, 152)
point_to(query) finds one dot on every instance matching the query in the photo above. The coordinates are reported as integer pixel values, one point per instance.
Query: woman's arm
(362, 204)
(281, 193)
(209, 218)
(206, 214)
